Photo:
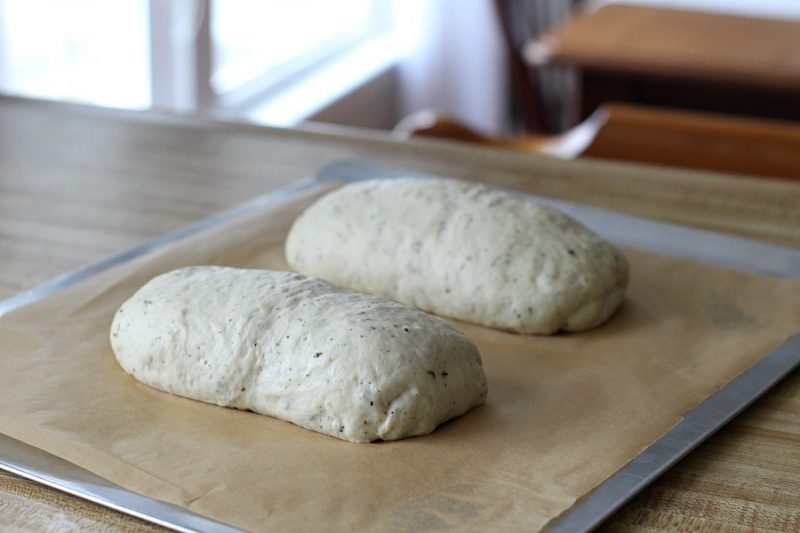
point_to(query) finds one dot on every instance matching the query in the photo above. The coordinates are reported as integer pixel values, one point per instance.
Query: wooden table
(78, 184)
(688, 59)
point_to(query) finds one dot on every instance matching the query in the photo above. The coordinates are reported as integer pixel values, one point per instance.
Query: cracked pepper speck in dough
(462, 250)
(297, 348)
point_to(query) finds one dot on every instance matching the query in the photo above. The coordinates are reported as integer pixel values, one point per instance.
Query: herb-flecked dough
(462, 250)
(297, 348)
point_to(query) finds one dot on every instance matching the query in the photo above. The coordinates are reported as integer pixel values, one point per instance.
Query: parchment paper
(564, 412)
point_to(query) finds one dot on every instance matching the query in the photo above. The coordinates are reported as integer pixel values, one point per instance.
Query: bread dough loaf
(297, 348)
(462, 250)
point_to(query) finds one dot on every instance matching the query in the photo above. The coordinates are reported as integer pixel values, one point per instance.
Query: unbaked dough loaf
(297, 348)
(462, 250)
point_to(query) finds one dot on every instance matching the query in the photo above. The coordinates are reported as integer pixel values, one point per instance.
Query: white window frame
(180, 55)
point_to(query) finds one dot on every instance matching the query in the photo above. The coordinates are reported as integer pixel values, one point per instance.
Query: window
(211, 55)
(257, 45)
(91, 51)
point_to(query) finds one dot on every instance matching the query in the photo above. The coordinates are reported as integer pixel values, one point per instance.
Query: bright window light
(92, 51)
(108, 52)
(265, 41)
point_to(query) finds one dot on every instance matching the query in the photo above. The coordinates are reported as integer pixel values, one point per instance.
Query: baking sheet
(564, 412)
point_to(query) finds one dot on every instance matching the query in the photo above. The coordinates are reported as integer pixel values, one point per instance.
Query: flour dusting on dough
(297, 348)
(462, 250)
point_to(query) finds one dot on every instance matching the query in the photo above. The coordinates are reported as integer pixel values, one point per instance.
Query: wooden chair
(543, 97)
(649, 135)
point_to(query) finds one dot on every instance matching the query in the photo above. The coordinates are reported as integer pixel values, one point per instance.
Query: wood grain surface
(680, 43)
(681, 138)
(78, 184)
(687, 59)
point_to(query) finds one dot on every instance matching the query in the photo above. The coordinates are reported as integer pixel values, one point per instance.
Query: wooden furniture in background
(429, 123)
(688, 59)
(698, 140)
(650, 135)
(543, 98)
(78, 184)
